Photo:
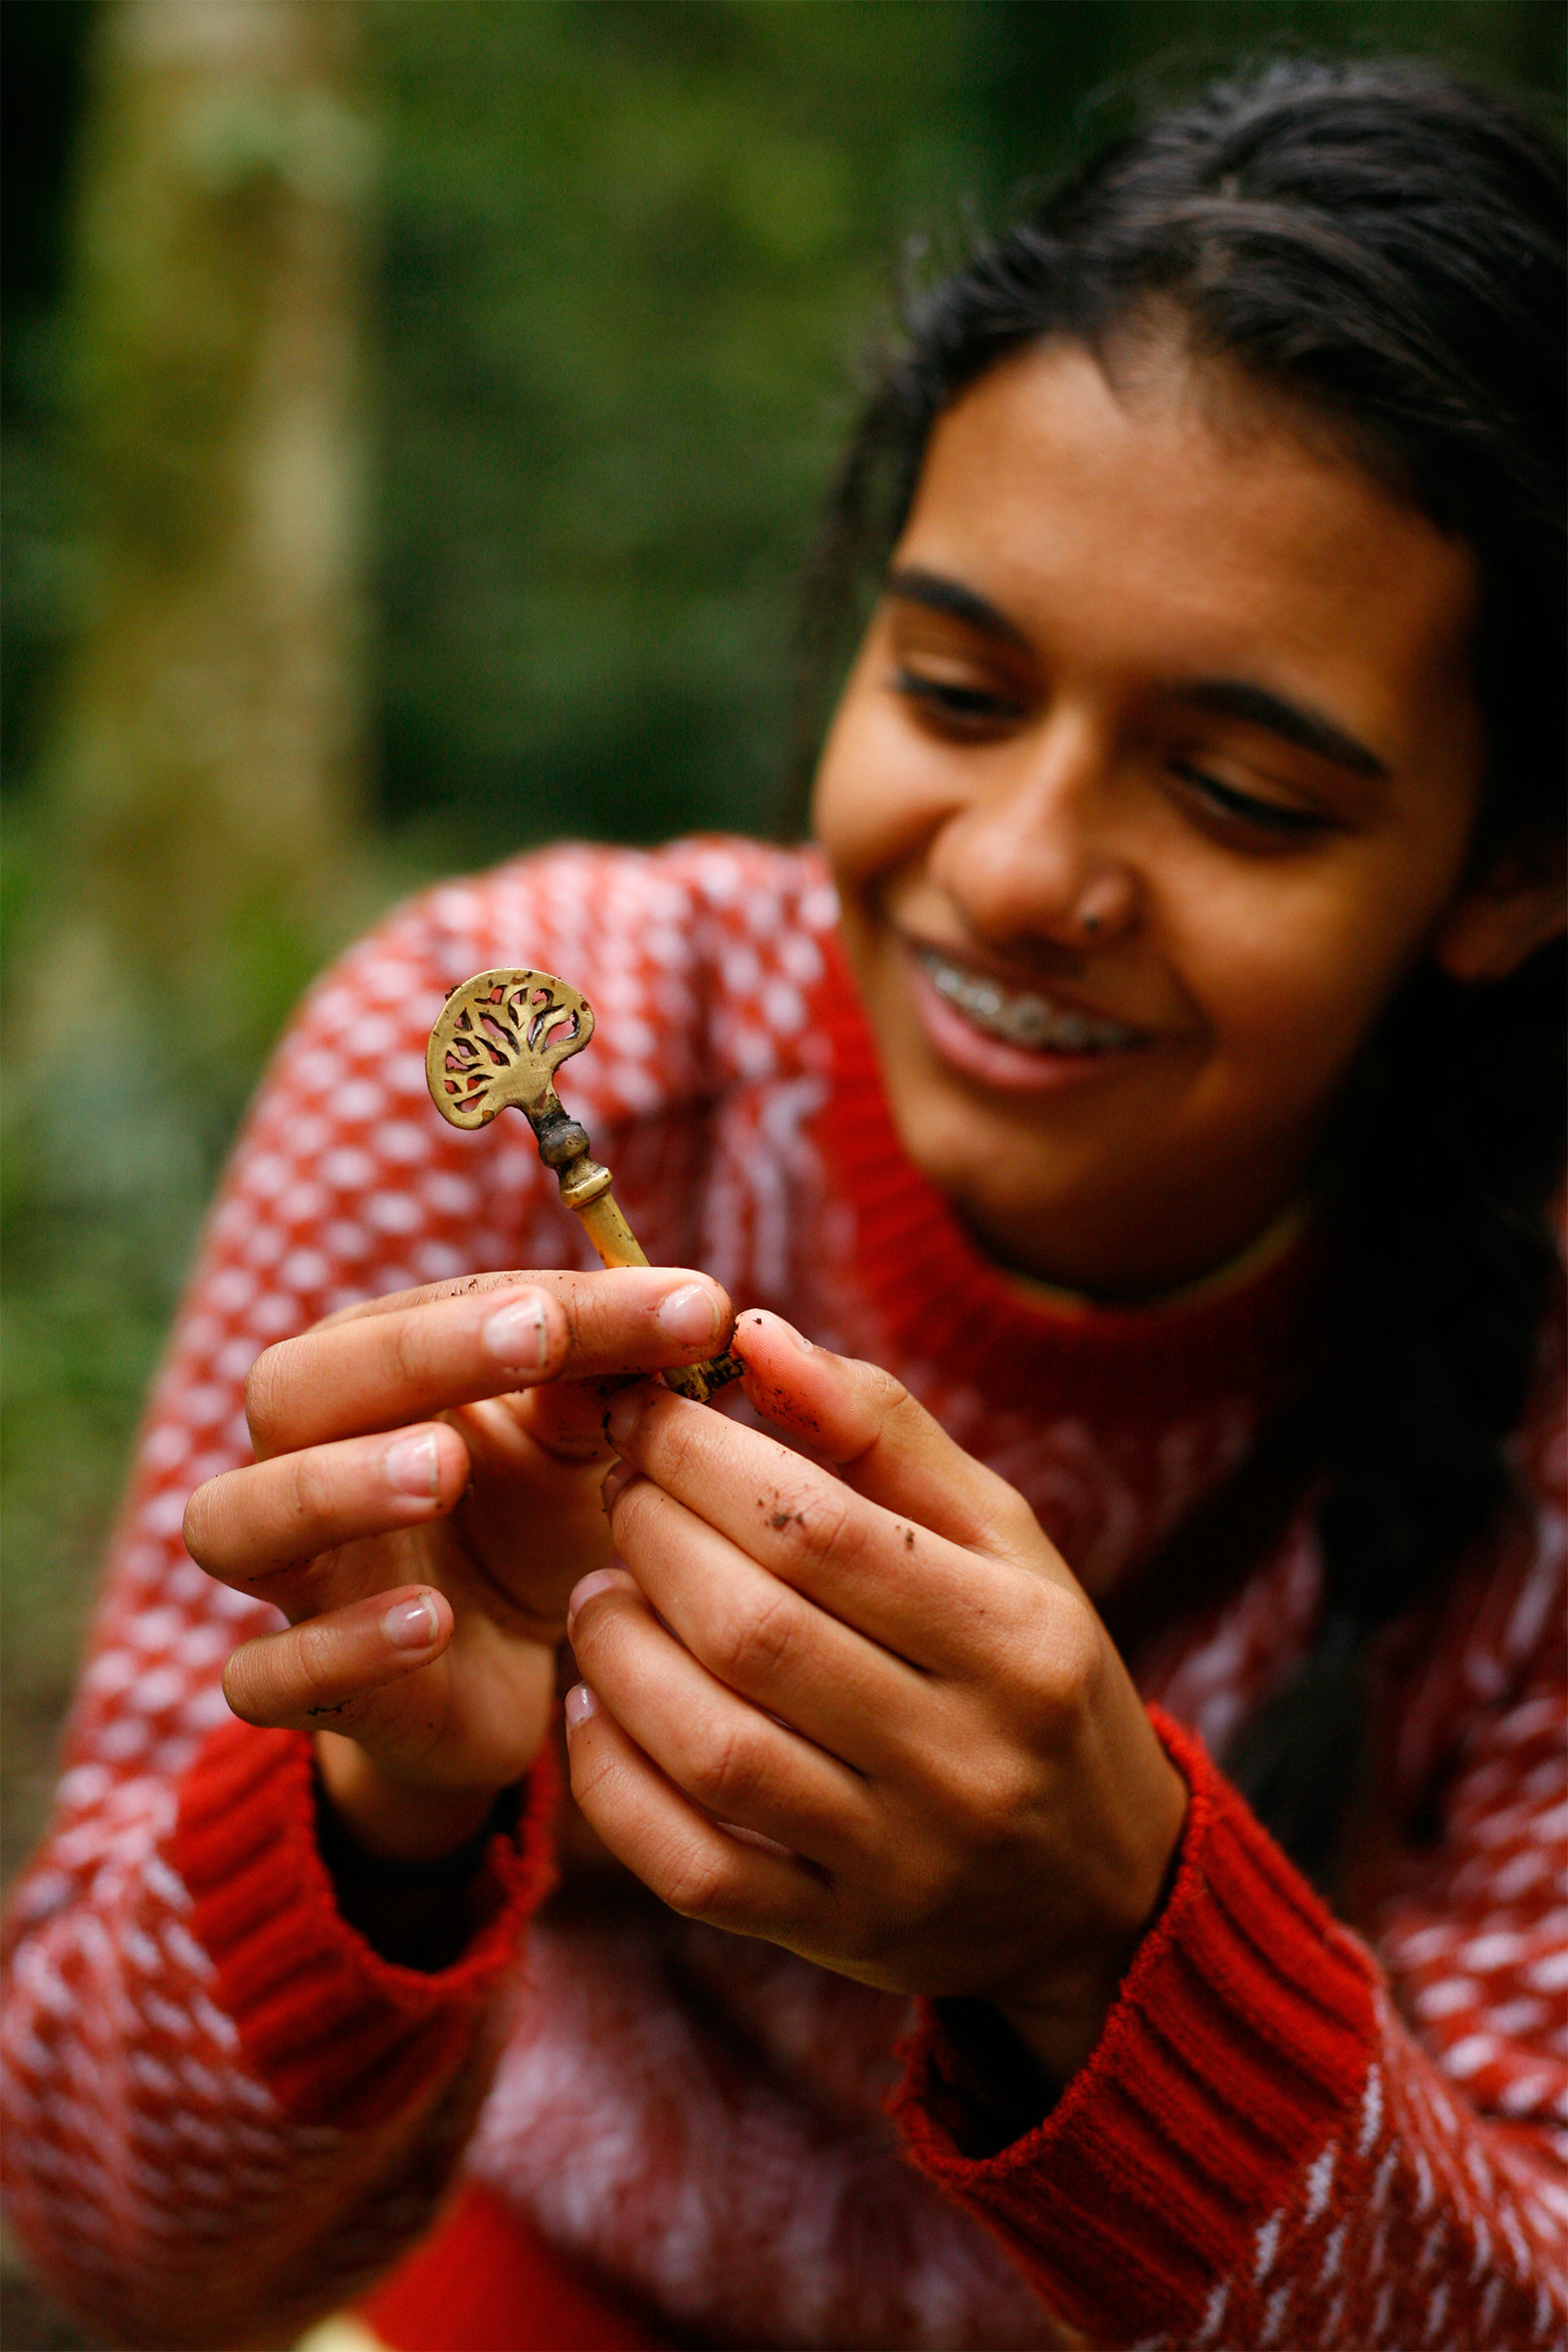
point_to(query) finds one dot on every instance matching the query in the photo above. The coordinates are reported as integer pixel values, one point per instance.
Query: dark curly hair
(1385, 242)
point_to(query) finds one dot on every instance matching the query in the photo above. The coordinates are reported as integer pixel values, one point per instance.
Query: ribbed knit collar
(943, 1300)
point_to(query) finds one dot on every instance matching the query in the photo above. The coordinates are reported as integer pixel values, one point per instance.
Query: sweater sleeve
(225, 2112)
(1260, 2151)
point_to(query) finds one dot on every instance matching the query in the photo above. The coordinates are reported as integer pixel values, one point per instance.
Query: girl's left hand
(887, 1679)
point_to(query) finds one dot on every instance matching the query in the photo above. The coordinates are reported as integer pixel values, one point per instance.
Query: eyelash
(966, 704)
(1271, 817)
(971, 707)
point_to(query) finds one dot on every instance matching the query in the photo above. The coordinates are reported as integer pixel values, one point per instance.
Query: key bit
(497, 1044)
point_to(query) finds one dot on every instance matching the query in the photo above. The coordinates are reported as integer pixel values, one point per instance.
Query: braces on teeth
(1020, 1019)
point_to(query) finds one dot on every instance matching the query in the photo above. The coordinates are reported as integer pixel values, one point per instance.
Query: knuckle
(1012, 1520)
(677, 1447)
(594, 1631)
(1053, 1668)
(729, 1768)
(919, 1887)
(885, 1392)
(266, 1388)
(694, 1882)
(1014, 1794)
(567, 1289)
(593, 1774)
(308, 1497)
(555, 1332)
(404, 1348)
(632, 1516)
(758, 1643)
(1013, 1528)
(316, 1662)
(197, 1530)
(1071, 1655)
(829, 1529)
(989, 1795)
(244, 1684)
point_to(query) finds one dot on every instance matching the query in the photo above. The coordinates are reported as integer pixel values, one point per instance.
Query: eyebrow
(941, 594)
(1226, 698)
(1237, 698)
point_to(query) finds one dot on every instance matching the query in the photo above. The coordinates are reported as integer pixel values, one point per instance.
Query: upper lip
(1061, 1000)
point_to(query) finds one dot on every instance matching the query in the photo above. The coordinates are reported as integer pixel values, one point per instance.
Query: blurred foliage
(628, 253)
(631, 253)
(43, 582)
(629, 256)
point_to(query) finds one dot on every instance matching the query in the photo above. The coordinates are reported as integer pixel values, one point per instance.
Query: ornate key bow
(497, 1041)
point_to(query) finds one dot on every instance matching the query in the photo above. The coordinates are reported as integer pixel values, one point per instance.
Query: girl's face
(1154, 776)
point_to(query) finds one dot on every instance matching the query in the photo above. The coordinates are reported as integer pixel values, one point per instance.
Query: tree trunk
(208, 768)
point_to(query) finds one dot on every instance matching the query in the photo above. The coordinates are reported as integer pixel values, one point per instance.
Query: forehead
(1174, 513)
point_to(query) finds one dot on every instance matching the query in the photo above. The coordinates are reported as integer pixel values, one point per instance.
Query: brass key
(499, 1041)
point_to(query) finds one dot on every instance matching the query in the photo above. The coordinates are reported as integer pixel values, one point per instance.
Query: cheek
(853, 815)
(1291, 978)
(880, 790)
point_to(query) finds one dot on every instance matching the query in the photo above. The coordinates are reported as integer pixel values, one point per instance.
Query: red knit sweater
(227, 2113)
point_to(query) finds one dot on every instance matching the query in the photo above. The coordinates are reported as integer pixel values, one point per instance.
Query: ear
(1497, 923)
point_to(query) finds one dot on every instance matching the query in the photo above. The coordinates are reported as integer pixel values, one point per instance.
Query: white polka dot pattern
(141, 2141)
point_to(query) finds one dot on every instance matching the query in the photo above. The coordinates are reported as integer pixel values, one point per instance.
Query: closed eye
(1276, 817)
(970, 709)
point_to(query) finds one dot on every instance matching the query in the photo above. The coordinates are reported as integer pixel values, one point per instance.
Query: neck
(1277, 1238)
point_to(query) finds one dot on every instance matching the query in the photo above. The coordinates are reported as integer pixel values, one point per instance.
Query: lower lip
(1020, 1070)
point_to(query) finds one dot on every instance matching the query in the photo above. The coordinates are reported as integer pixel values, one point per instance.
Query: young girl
(1146, 1103)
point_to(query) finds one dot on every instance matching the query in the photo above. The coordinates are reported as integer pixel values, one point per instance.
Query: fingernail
(761, 1320)
(597, 1580)
(411, 1624)
(625, 1417)
(580, 1704)
(411, 1466)
(518, 1337)
(612, 1482)
(690, 1314)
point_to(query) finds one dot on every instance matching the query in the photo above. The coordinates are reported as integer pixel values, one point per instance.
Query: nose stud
(1107, 900)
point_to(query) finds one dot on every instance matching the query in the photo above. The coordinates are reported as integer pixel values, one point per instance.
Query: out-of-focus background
(416, 413)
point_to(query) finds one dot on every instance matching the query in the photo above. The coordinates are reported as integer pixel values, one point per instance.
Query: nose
(1033, 854)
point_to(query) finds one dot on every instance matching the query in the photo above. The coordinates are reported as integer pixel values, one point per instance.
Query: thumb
(879, 1439)
(566, 1417)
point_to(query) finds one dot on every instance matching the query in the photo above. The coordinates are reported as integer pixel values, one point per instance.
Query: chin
(990, 1161)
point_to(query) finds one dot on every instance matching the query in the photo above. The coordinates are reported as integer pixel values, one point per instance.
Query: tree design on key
(497, 1044)
(501, 1037)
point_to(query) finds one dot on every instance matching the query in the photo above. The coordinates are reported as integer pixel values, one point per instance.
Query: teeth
(1022, 1020)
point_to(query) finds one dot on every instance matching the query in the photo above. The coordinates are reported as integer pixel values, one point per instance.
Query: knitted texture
(226, 2113)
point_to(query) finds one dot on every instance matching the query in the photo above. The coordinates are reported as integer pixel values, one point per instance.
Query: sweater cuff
(1241, 2035)
(336, 2032)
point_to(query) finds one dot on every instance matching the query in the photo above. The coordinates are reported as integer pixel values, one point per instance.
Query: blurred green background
(416, 413)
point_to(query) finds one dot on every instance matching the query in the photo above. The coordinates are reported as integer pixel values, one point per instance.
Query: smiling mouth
(1021, 1017)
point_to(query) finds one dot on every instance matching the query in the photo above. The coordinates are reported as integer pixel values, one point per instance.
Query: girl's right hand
(424, 1496)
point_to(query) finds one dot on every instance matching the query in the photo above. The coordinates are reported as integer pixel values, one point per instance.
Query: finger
(761, 1638)
(881, 1441)
(928, 1601)
(726, 1754)
(251, 1523)
(377, 1371)
(696, 1867)
(566, 1417)
(313, 1674)
(531, 1522)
